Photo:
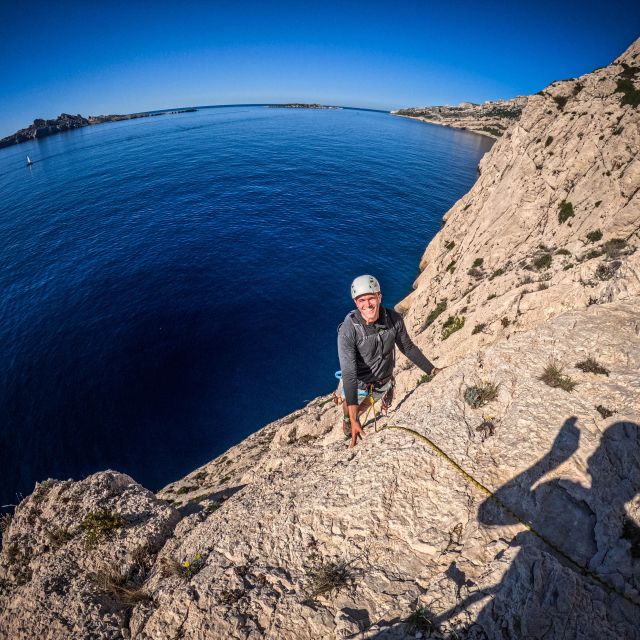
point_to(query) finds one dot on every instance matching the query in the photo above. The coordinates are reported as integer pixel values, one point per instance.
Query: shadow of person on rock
(546, 591)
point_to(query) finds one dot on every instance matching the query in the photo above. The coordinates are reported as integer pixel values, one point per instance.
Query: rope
(467, 476)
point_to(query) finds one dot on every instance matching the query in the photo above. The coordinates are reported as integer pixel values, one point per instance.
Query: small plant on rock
(614, 247)
(548, 141)
(553, 376)
(98, 524)
(451, 325)
(478, 395)
(543, 261)
(449, 245)
(330, 576)
(421, 620)
(479, 328)
(606, 271)
(496, 273)
(563, 252)
(185, 489)
(451, 267)
(594, 236)
(590, 365)
(565, 211)
(477, 262)
(505, 322)
(434, 313)
(124, 590)
(486, 428)
(427, 377)
(604, 412)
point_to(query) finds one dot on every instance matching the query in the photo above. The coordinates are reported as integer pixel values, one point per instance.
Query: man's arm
(410, 350)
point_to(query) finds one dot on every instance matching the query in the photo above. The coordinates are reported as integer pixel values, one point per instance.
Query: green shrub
(553, 376)
(577, 88)
(614, 247)
(561, 101)
(426, 377)
(590, 255)
(98, 524)
(477, 262)
(439, 308)
(451, 267)
(563, 252)
(630, 95)
(543, 261)
(479, 328)
(478, 395)
(505, 322)
(606, 271)
(475, 273)
(452, 324)
(185, 489)
(565, 211)
(496, 273)
(594, 236)
(548, 141)
(449, 245)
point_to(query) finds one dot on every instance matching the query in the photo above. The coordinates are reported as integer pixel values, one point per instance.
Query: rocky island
(499, 500)
(64, 122)
(491, 118)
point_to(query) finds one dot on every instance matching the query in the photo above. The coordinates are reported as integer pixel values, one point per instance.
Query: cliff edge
(526, 522)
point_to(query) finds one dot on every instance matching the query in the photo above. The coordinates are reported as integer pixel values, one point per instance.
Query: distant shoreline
(42, 128)
(448, 126)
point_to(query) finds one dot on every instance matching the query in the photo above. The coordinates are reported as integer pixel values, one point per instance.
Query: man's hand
(356, 431)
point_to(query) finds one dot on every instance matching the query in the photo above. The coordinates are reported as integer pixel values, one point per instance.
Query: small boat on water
(29, 161)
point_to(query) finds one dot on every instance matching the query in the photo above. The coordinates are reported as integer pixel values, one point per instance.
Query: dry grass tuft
(330, 576)
(553, 376)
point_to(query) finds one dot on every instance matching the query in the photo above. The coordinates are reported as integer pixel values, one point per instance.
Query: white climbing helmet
(364, 284)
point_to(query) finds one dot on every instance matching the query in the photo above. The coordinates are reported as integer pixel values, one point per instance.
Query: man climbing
(366, 349)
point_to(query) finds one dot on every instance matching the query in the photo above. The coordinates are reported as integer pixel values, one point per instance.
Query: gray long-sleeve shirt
(367, 352)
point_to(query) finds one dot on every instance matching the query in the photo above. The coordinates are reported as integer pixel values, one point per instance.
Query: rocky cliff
(526, 522)
(64, 122)
(491, 118)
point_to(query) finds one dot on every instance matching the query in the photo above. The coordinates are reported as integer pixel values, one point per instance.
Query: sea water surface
(171, 284)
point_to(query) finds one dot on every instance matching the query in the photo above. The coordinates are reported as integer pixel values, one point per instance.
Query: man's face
(369, 306)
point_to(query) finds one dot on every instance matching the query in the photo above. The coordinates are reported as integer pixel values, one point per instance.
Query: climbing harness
(467, 476)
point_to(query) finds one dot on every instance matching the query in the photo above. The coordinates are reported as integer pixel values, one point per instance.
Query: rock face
(491, 118)
(529, 297)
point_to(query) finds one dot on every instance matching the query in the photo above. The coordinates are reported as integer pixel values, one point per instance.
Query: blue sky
(122, 57)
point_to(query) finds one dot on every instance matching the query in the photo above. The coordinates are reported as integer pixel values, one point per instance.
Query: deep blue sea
(171, 284)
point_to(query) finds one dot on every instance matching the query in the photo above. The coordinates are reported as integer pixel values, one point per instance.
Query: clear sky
(120, 57)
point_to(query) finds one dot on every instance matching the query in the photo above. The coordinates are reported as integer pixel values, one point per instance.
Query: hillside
(491, 118)
(290, 535)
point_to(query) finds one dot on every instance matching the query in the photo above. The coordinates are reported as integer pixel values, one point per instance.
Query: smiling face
(369, 306)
